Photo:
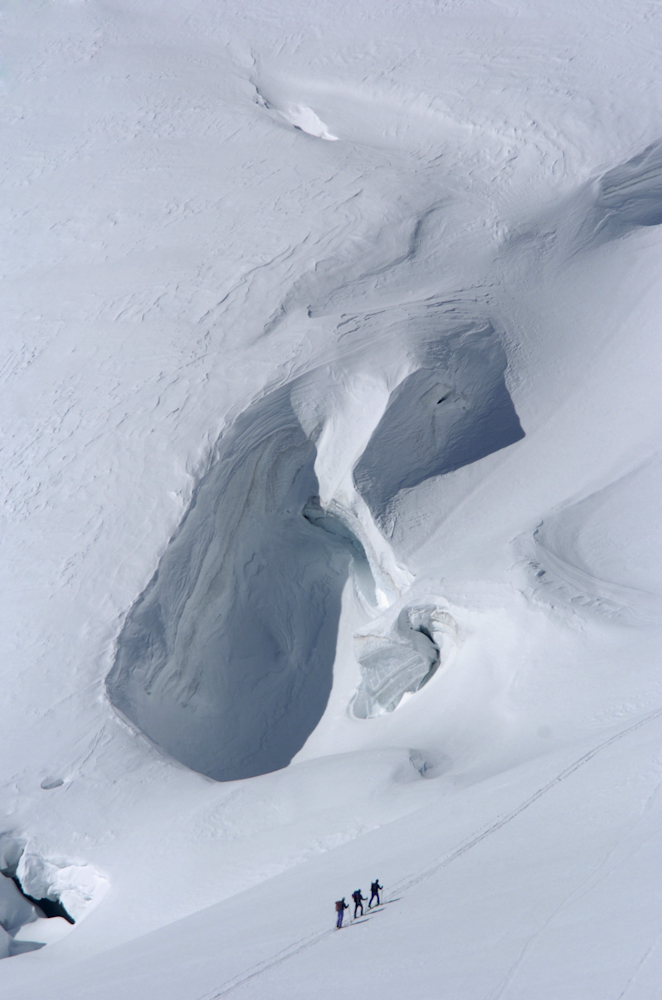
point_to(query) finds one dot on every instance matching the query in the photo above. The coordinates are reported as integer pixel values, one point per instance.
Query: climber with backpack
(341, 906)
(374, 892)
(359, 900)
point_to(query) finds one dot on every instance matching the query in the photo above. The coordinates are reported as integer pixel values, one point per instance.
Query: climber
(341, 906)
(359, 900)
(374, 892)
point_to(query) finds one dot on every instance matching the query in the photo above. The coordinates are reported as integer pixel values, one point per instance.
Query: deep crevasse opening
(226, 660)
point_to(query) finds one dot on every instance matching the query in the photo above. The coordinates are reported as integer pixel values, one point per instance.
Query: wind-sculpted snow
(629, 196)
(330, 521)
(593, 554)
(440, 419)
(398, 655)
(226, 660)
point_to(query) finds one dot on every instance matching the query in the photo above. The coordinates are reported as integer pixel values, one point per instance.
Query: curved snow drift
(226, 659)
(440, 419)
(592, 554)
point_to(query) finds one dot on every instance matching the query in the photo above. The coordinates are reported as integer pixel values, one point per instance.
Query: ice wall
(627, 197)
(444, 416)
(226, 659)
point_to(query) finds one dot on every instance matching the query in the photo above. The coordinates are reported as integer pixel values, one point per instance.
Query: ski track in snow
(644, 958)
(270, 963)
(576, 892)
(403, 885)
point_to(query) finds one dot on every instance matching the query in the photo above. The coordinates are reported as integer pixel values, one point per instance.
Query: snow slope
(330, 435)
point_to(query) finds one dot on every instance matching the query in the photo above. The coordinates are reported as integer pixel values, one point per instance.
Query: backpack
(339, 905)
(356, 896)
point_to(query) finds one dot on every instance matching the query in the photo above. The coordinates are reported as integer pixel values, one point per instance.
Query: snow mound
(305, 119)
(78, 888)
(295, 113)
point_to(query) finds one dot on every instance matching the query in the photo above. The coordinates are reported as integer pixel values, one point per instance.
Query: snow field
(525, 873)
(439, 336)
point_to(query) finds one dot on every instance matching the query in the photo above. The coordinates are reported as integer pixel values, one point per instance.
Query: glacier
(330, 484)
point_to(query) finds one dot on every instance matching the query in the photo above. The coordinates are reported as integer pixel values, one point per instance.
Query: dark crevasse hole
(11, 853)
(226, 659)
(16, 913)
(20, 911)
(48, 907)
(444, 416)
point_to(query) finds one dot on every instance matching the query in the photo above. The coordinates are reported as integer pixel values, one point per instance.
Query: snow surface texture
(331, 423)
